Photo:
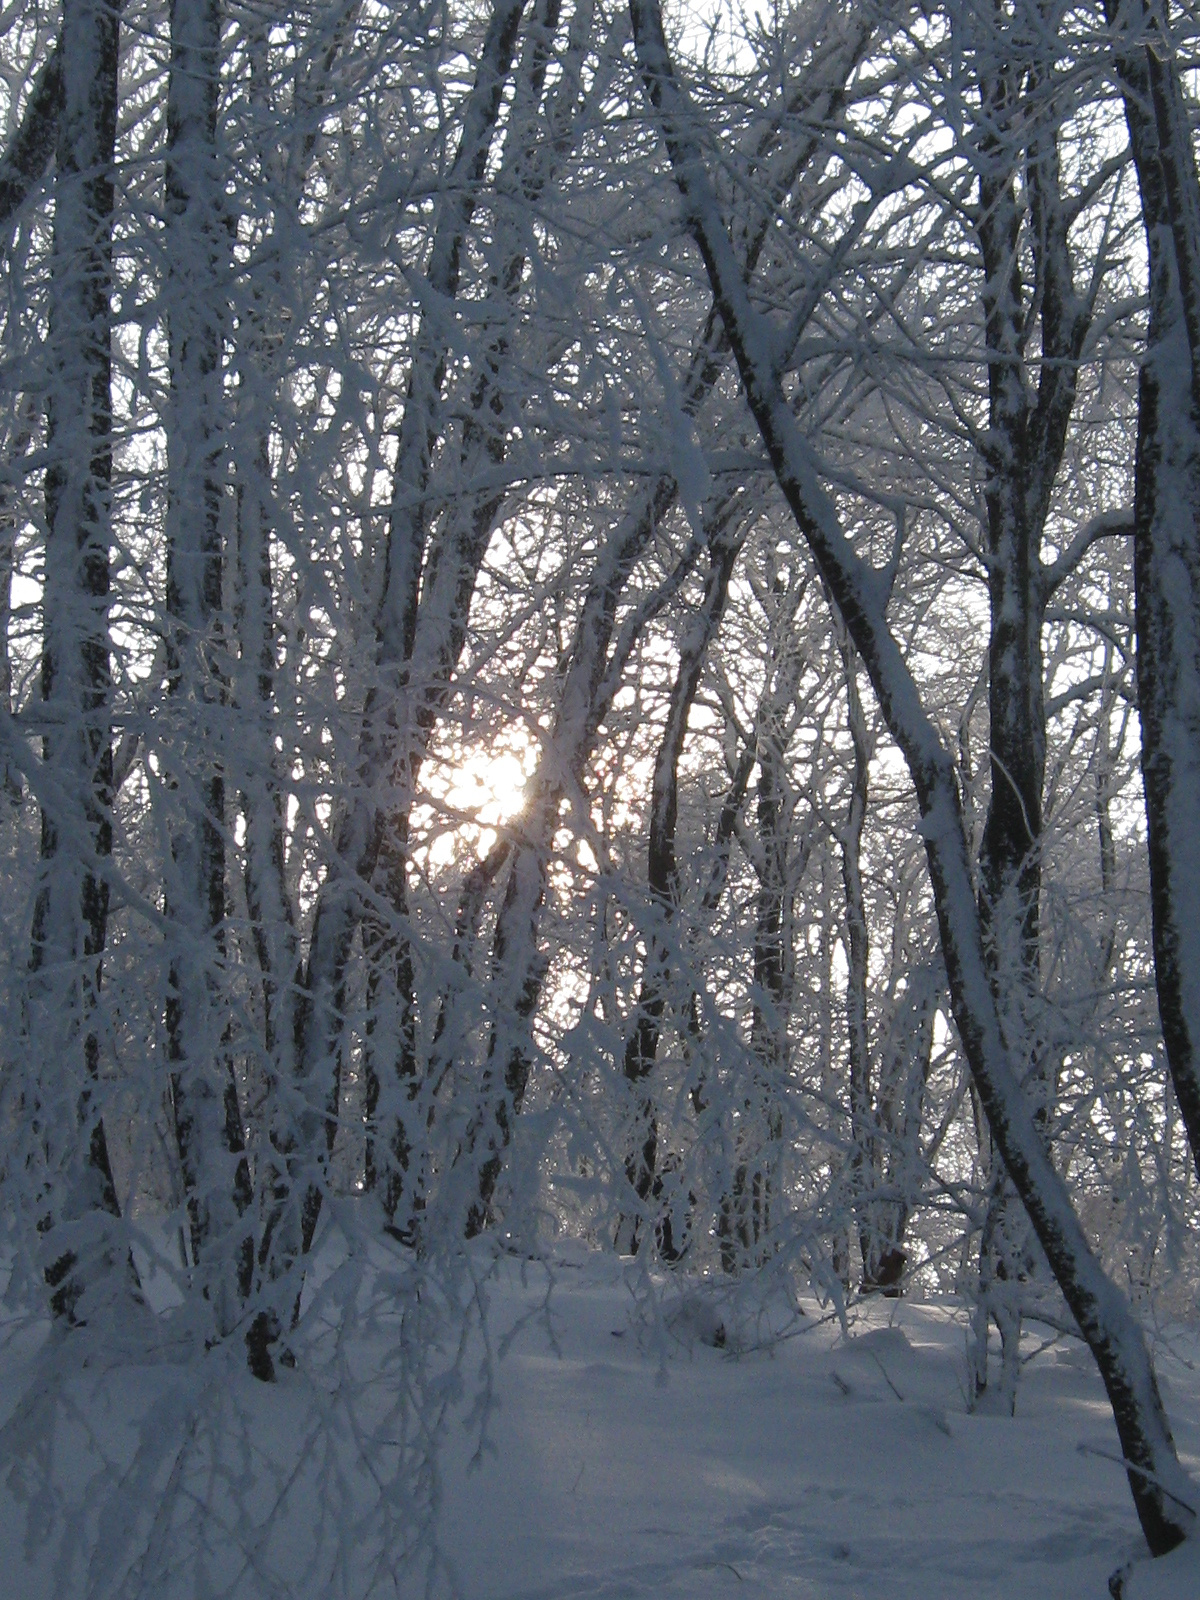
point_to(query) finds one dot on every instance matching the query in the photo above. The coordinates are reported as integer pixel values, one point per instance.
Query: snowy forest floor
(640, 1460)
(627, 1454)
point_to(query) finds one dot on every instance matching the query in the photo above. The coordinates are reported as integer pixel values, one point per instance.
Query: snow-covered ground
(636, 1459)
(669, 1440)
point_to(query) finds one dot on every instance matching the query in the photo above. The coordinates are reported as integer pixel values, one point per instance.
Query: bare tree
(70, 917)
(1167, 525)
(204, 1092)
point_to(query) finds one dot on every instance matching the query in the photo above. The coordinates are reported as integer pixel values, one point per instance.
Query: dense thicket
(601, 638)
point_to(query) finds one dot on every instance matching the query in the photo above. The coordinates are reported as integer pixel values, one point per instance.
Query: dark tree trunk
(1022, 455)
(24, 163)
(204, 1094)
(272, 917)
(70, 918)
(662, 882)
(744, 1223)
(1167, 536)
(10, 776)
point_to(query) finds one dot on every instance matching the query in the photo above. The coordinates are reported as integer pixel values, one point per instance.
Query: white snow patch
(628, 1455)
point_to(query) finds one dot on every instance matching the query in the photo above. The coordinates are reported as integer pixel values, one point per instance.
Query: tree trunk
(207, 1115)
(23, 164)
(272, 917)
(662, 882)
(864, 1146)
(1021, 454)
(10, 776)
(1167, 537)
(744, 1223)
(70, 918)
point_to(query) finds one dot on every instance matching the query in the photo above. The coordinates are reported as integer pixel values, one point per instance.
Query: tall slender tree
(1167, 525)
(70, 917)
(204, 1092)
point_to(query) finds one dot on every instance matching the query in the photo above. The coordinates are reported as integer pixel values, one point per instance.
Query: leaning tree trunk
(1163, 1494)
(24, 162)
(75, 781)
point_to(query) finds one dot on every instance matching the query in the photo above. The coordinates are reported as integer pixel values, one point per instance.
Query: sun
(476, 795)
(491, 784)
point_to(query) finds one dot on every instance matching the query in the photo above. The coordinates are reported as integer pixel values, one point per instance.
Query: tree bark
(1167, 534)
(23, 164)
(70, 919)
(662, 883)
(10, 776)
(745, 1219)
(204, 1093)
(863, 1142)
(1021, 454)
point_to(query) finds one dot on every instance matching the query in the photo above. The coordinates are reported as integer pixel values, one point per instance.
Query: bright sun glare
(487, 787)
